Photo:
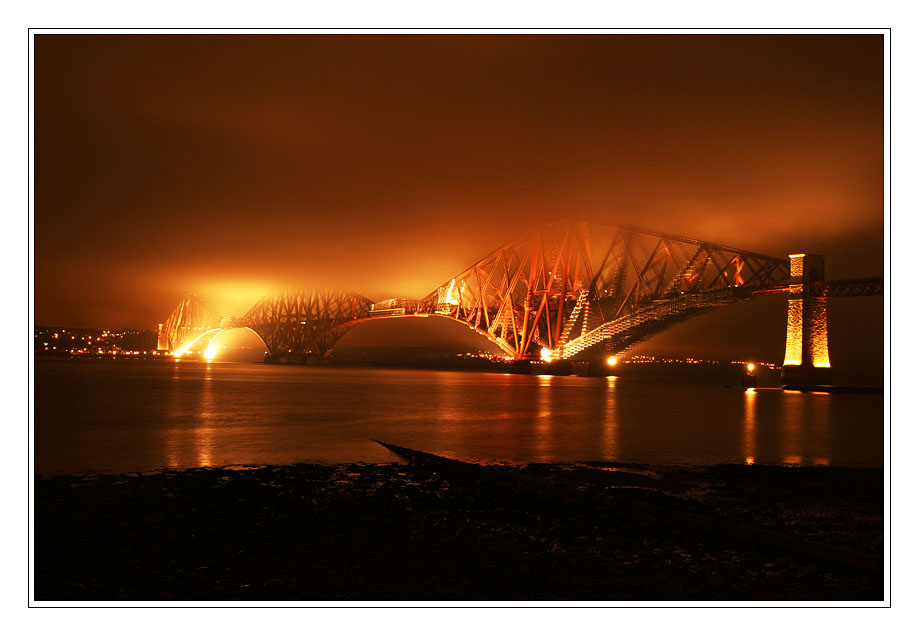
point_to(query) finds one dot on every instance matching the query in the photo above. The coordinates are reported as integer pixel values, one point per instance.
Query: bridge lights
(750, 367)
(546, 354)
(611, 360)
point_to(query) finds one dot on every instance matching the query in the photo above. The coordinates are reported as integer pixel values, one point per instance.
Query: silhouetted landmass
(419, 532)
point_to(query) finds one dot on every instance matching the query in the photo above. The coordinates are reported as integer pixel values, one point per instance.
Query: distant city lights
(85, 342)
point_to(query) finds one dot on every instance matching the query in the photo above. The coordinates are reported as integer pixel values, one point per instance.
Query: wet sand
(423, 531)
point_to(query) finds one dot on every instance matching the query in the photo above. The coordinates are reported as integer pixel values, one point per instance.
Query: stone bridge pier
(807, 361)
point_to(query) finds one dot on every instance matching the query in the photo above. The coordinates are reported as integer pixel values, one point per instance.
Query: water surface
(114, 415)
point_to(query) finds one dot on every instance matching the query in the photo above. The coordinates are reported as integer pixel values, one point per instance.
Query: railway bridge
(564, 291)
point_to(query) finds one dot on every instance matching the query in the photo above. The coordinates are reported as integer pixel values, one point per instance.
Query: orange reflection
(172, 461)
(174, 434)
(543, 443)
(793, 426)
(204, 432)
(610, 420)
(806, 429)
(748, 442)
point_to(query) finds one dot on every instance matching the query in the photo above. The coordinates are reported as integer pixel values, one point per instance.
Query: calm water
(106, 415)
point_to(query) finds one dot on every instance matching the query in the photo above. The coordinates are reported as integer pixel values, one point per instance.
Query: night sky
(167, 164)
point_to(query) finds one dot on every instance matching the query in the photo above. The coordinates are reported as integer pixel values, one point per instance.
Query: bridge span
(569, 290)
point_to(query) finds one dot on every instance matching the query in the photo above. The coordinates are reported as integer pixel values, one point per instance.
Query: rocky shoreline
(457, 532)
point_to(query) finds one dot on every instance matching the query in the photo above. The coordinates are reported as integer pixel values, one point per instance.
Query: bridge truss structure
(192, 318)
(566, 290)
(570, 289)
(304, 321)
(848, 287)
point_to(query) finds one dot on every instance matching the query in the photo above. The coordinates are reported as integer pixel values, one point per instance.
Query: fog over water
(385, 164)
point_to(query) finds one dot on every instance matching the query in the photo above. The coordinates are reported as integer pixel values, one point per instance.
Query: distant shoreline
(723, 373)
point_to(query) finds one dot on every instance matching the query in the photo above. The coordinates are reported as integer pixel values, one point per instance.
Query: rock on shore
(406, 532)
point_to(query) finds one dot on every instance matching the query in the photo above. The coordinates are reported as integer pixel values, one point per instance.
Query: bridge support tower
(162, 339)
(807, 361)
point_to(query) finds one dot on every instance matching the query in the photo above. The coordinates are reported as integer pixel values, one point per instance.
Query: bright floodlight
(546, 354)
(612, 360)
(750, 367)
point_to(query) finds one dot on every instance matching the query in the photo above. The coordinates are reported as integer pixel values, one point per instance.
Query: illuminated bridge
(571, 290)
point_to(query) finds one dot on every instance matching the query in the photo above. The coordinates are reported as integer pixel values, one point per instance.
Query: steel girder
(849, 287)
(191, 318)
(574, 286)
(304, 321)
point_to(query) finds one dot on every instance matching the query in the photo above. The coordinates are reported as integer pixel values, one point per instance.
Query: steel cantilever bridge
(570, 290)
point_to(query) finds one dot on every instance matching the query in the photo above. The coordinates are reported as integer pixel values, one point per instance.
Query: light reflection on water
(134, 415)
(207, 416)
(750, 426)
(542, 442)
(610, 419)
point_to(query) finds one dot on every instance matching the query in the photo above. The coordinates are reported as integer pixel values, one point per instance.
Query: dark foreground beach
(435, 530)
